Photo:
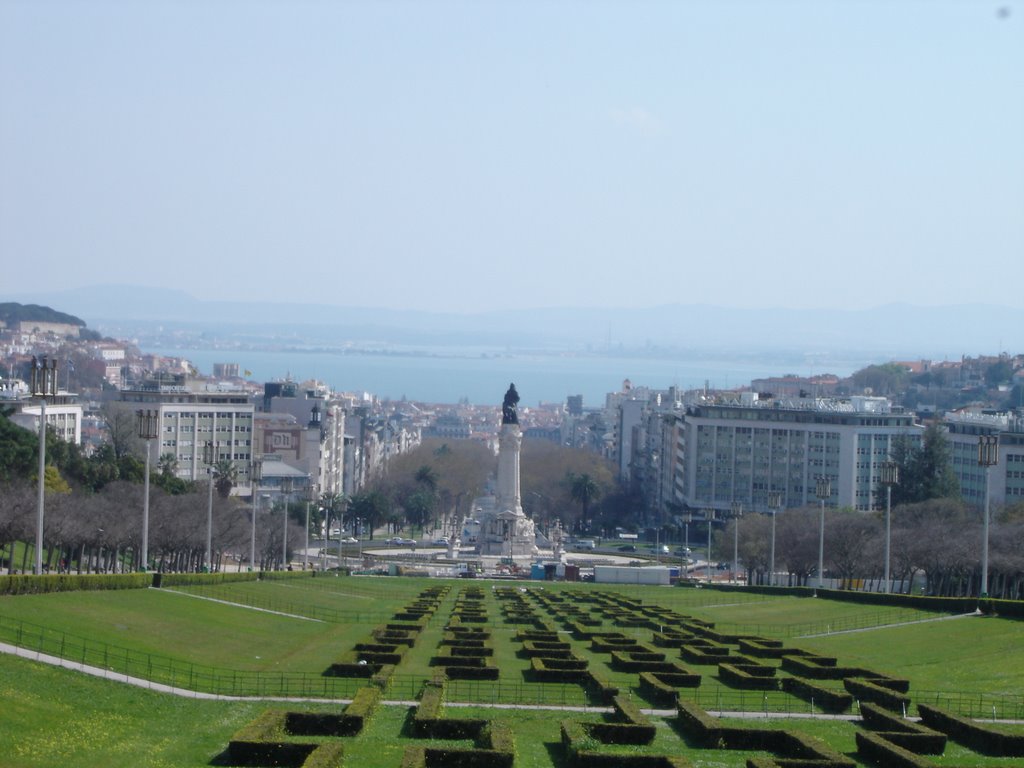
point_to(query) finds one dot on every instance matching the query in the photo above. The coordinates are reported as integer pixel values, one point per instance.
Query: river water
(482, 377)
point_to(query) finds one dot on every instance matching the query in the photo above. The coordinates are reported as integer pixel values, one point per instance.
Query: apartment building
(1006, 476)
(193, 414)
(742, 449)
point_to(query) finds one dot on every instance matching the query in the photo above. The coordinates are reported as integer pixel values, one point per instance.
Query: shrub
(881, 751)
(962, 730)
(826, 699)
(870, 691)
(742, 676)
(327, 755)
(261, 742)
(28, 584)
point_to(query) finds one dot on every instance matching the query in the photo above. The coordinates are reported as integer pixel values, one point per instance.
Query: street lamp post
(988, 457)
(255, 475)
(148, 424)
(737, 513)
(774, 502)
(890, 476)
(44, 387)
(286, 490)
(310, 498)
(709, 515)
(823, 490)
(209, 458)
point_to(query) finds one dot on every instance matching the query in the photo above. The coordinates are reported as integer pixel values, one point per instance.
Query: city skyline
(465, 157)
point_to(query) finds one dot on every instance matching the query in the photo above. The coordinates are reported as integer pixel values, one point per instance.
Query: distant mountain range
(895, 331)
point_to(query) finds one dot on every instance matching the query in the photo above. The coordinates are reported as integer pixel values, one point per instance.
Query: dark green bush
(28, 584)
(826, 699)
(869, 691)
(980, 738)
(880, 751)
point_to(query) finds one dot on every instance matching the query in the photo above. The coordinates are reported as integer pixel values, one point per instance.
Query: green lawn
(980, 654)
(60, 714)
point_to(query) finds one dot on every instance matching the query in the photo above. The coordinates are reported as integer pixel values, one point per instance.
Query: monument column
(510, 441)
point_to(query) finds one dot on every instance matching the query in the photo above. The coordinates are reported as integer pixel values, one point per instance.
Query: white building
(1006, 477)
(739, 451)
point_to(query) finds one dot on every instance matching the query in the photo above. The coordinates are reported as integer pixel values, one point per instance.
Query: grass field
(61, 714)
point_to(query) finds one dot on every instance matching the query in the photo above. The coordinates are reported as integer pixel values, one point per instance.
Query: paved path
(139, 682)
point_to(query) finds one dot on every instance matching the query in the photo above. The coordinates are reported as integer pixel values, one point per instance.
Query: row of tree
(102, 531)
(939, 541)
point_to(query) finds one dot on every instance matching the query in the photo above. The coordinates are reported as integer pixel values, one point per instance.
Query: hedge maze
(655, 658)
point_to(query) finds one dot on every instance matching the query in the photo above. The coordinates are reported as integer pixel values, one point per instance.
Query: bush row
(880, 751)
(581, 752)
(963, 730)
(263, 742)
(708, 732)
(904, 733)
(871, 691)
(748, 677)
(27, 584)
(826, 699)
(495, 745)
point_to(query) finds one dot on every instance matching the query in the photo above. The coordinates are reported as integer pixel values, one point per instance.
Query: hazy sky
(467, 155)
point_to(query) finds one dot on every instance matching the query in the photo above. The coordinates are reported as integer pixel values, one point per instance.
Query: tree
(371, 506)
(225, 475)
(584, 491)
(926, 471)
(18, 448)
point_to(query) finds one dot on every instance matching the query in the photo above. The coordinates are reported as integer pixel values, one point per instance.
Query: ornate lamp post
(988, 457)
(737, 513)
(823, 490)
(774, 503)
(44, 387)
(149, 426)
(255, 476)
(890, 476)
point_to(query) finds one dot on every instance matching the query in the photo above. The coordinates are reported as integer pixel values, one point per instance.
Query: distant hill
(12, 313)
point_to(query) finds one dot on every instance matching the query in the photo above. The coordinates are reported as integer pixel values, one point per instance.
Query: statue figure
(508, 407)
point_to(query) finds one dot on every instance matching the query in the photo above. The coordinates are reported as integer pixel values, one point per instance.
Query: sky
(466, 156)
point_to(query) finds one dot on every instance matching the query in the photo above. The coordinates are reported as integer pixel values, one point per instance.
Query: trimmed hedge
(904, 733)
(827, 699)
(29, 584)
(205, 579)
(870, 691)
(661, 687)
(744, 676)
(880, 751)
(980, 738)
(708, 732)
(581, 753)
(262, 742)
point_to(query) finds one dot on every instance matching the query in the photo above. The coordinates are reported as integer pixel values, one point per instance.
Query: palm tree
(584, 491)
(167, 464)
(225, 475)
(427, 476)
